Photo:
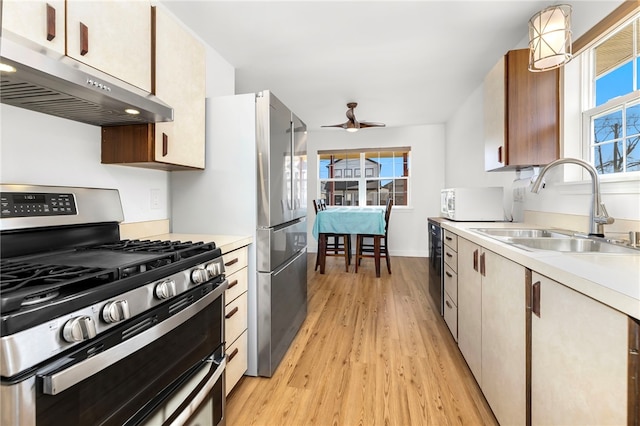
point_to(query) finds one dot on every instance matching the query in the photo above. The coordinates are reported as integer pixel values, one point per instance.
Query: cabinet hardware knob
(231, 313)
(51, 22)
(231, 262)
(535, 299)
(165, 144)
(233, 354)
(449, 274)
(84, 39)
(448, 304)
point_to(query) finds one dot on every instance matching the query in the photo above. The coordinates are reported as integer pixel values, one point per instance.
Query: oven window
(115, 394)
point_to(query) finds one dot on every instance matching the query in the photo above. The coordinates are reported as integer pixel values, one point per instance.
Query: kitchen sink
(501, 233)
(572, 245)
(555, 240)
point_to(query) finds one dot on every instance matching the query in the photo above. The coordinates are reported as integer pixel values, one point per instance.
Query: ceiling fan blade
(364, 124)
(352, 125)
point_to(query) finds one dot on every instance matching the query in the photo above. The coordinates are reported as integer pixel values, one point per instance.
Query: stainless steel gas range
(97, 330)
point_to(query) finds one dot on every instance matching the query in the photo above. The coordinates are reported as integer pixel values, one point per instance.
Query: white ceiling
(404, 62)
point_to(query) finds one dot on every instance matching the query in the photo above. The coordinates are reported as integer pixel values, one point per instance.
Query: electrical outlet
(155, 199)
(518, 194)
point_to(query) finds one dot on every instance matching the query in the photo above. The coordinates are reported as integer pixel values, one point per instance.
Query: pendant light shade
(550, 38)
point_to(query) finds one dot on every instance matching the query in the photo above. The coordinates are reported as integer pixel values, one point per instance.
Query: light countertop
(612, 279)
(226, 243)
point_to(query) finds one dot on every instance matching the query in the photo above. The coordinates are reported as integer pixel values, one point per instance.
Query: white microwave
(484, 204)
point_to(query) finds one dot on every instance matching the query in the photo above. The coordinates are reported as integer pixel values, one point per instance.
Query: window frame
(362, 178)
(607, 28)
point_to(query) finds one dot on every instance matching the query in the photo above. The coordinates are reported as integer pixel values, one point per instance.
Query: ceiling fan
(353, 125)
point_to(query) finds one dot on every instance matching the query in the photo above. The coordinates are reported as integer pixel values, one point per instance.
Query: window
(612, 115)
(386, 175)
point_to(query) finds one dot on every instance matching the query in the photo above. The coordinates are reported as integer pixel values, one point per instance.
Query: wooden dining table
(349, 220)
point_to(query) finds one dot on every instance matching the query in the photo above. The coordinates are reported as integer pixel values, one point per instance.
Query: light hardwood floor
(372, 351)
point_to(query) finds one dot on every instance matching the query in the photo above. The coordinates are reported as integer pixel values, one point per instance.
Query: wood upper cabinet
(579, 359)
(179, 80)
(492, 328)
(180, 76)
(113, 36)
(41, 21)
(521, 114)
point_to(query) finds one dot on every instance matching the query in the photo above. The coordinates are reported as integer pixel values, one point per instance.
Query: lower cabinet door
(451, 316)
(236, 361)
(579, 351)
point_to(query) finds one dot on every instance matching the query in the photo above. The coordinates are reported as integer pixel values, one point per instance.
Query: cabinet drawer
(451, 316)
(237, 285)
(235, 260)
(451, 284)
(236, 361)
(451, 258)
(451, 240)
(235, 318)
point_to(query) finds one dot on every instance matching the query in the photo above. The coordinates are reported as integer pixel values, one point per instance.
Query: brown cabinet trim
(633, 385)
(605, 26)
(528, 278)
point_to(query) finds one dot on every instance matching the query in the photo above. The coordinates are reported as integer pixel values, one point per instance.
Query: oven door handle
(202, 394)
(59, 381)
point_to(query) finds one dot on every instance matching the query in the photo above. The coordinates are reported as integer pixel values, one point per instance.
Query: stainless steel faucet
(598, 215)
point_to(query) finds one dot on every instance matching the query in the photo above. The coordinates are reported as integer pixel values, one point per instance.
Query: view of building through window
(353, 178)
(614, 114)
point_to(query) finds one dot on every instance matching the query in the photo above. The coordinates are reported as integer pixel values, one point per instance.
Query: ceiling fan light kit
(352, 125)
(550, 38)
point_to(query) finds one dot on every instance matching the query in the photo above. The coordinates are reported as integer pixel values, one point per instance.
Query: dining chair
(335, 244)
(365, 242)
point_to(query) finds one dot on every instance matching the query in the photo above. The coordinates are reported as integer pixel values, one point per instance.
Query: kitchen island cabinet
(492, 328)
(111, 36)
(579, 354)
(180, 75)
(521, 114)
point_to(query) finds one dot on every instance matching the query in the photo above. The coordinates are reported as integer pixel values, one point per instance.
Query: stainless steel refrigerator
(254, 183)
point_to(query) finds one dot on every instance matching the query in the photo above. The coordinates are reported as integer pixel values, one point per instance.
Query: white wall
(464, 159)
(40, 149)
(45, 150)
(407, 225)
(464, 151)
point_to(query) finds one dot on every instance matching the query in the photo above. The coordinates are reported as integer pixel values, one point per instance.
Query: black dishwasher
(436, 280)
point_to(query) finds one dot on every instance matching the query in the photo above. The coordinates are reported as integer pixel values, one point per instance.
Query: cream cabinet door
(579, 353)
(469, 306)
(180, 71)
(41, 21)
(504, 350)
(113, 36)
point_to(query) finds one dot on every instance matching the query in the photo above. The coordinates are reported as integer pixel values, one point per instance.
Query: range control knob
(116, 311)
(166, 289)
(214, 269)
(199, 275)
(79, 329)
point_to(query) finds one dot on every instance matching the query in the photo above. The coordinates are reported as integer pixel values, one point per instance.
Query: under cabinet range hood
(49, 82)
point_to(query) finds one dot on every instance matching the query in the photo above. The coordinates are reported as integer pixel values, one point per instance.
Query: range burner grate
(25, 284)
(32, 280)
(180, 249)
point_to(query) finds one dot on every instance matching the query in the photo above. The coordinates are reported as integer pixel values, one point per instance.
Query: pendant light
(550, 38)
